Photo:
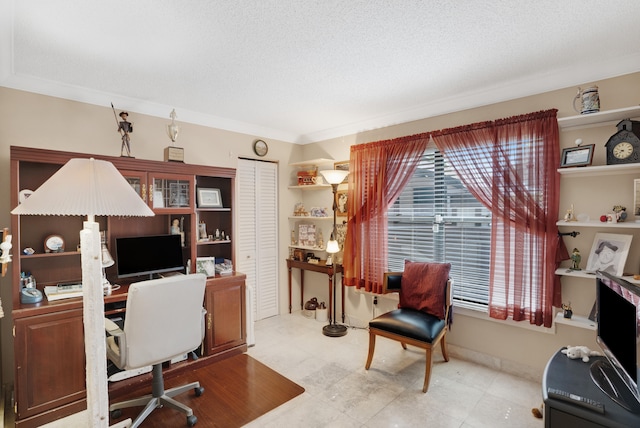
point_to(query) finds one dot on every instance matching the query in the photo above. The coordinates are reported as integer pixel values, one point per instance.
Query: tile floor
(339, 392)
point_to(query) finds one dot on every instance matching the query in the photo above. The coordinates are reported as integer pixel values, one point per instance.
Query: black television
(618, 335)
(148, 255)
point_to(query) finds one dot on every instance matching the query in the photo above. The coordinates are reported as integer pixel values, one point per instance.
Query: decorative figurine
(570, 216)
(177, 229)
(567, 310)
(173, 129)
(575, 258)
(124, 128)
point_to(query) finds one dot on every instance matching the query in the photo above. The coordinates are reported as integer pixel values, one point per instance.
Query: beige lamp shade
(334, 176)
(85, 187)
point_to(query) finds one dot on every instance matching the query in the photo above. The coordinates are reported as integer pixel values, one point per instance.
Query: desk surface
(120, 295)
(573, 377)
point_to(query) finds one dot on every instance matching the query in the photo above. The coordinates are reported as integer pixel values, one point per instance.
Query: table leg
(301, 289)
(289, 269)
(342, 288)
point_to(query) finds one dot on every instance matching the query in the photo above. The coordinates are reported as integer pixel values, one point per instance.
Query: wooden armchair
(415, 324)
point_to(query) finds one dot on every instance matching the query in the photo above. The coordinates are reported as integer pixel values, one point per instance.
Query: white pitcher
(590, 100)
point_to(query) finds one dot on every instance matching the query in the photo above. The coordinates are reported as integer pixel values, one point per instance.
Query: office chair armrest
(204, 314)
(112, 328)
(116, 343)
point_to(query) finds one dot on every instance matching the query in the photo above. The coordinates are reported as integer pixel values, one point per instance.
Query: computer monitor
(618, 335)
(148, 255)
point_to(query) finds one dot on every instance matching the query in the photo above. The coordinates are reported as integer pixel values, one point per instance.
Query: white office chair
(164, 319)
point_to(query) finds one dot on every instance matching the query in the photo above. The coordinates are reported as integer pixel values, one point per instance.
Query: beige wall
(45, 122)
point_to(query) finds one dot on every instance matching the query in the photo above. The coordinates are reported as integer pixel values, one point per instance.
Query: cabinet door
(138, 181)
(171, 193)
(50, 362)
(225, 304)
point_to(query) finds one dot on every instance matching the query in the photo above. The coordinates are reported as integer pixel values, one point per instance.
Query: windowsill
(478, 314)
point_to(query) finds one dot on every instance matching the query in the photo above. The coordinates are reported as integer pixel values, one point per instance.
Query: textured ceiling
(303, 70)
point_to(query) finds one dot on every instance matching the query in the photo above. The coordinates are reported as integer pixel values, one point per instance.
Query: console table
(573, 377)
(320, 267)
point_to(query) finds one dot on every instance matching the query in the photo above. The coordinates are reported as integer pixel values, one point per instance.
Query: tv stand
(573, 376)
(605, 377)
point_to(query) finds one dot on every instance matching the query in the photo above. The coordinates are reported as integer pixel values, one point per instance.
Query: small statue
(570, 216)
(567, 311)
(125, 128)
(575, 258)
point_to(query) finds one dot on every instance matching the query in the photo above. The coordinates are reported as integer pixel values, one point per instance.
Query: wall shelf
(597, 119)
(312, 162)
(600, 170)
(308, 217)
(563, 271)
(311, 187)
(599, 224)
(576, 321)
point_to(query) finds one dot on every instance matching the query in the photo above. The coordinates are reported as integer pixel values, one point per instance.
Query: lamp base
(334, 330)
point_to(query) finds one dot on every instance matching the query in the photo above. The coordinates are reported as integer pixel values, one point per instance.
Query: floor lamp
(334, 177)
(89, 187)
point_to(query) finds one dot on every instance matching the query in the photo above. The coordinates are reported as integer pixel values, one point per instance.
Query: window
(437, 219)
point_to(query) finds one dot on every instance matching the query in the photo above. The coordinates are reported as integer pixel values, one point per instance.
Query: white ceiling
(308, 70)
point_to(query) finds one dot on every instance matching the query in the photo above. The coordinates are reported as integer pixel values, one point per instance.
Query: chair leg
(372, 347)
(427, 371)
(404, 345)
(443, 346)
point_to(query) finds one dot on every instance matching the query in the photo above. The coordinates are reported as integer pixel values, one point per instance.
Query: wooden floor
(238, 390)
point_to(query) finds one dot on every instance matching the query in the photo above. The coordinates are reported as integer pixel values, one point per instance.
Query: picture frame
(342, 166)
(206, 265)
(577, 156)
(341, 203)
(636, 197)
(609, 253)
(209, 198)
(307, 235)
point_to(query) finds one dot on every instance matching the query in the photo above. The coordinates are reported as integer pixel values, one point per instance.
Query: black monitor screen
(148, 255)
(618, 334)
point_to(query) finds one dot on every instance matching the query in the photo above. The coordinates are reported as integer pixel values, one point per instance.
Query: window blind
(436, 219)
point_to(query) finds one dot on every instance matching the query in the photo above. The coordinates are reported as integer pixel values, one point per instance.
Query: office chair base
(151, 403)
(334, 330)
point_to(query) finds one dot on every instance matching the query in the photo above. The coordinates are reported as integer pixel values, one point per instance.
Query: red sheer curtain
(378, 172)
(510, 165)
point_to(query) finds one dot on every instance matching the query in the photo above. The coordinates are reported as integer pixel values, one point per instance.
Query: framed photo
(307, 235)
(209, 198)
(341, 203)
(342, 166)
(577, 156)
(206, 265)
(636, 197)
(609, 253)
(178, 195)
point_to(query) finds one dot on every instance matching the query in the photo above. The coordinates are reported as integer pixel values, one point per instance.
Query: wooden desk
(321, 268)
(49, 348)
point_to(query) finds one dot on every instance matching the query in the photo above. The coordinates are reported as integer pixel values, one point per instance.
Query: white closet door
(258, 237)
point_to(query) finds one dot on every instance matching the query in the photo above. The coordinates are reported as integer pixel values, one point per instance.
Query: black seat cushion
(409, 323)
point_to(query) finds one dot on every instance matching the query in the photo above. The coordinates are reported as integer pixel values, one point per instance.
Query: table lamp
(106, 260)
(334, 177)
(89, 187)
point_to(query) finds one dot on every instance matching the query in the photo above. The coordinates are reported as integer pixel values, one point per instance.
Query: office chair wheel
(115, 414)
(199, 391)
(191, 420)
